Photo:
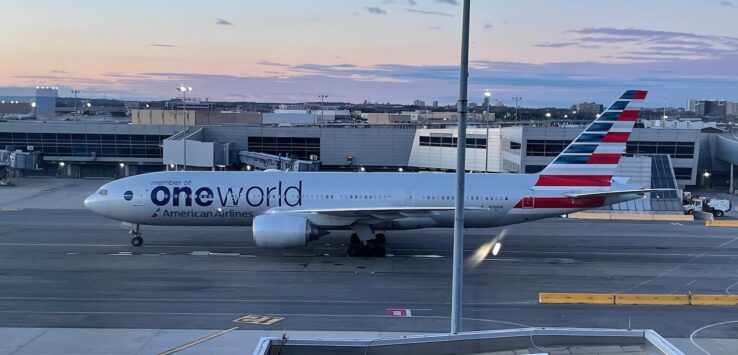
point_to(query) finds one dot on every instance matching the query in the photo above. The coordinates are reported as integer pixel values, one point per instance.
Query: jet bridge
(15, 162)
(263, 161)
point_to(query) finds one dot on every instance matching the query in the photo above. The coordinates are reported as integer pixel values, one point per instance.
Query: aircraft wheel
(719, 213)
(381, 238)
(355, 240)
(355, 250)
(137, 241)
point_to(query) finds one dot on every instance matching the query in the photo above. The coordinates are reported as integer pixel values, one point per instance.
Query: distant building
(292, 107)
(588, 108)
(691, 103)
(189, 104)
(130, 105)
(731, 109)
(15, 107)
(386, 118)
(419, 103)
(191, 117)
(710, 108)
(486, 102)
(435, 103)
(46, 100)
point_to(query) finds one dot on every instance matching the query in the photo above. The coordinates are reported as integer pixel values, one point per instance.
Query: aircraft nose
(96, 203)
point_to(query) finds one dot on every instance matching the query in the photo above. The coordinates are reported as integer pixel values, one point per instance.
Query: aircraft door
(528, 199)
(139, 197)
(407, 197)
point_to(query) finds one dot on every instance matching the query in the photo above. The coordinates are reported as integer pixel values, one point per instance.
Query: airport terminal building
(701, 157)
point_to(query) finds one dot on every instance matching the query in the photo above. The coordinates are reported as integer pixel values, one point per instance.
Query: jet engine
(281, 231)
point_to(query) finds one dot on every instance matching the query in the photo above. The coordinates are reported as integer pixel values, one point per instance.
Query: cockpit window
(103, 192)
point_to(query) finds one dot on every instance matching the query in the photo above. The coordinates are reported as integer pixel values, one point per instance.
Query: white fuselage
(235, 198)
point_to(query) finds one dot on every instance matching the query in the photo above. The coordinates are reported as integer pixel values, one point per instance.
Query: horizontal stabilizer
(613, 193)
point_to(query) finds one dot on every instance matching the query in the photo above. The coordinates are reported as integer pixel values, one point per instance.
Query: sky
(550, 53)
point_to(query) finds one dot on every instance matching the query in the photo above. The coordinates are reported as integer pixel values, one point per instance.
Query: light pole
(458, 256)
(184, 89)
(75, 92)
(322, 97)
(548, 118)
(487, 95)
(516, 99)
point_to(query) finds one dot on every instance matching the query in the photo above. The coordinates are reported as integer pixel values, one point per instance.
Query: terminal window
(683, 173)
(439, 141)
(86, 145)
(672, 149)
(545, 148)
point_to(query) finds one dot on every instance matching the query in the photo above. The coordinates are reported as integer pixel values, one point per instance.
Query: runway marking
(399, 312)
(139, 300)
(122, 253)
(727, 289)
(676, 267)
(10, 209)
(198, 341)
(258, 320)
(312, 315)
(395, 249)
(691, 336)
(726, 243)
(691, 282)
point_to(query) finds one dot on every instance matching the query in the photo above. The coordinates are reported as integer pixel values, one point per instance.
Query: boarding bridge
(208, 155)
(263, 161)
(16, 162)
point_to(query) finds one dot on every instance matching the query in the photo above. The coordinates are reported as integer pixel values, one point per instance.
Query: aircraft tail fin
(591, 159)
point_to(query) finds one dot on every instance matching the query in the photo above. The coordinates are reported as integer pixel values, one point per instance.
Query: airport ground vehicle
(717, 207)
(287, 209)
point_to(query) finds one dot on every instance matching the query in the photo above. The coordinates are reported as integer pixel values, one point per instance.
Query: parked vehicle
(717, 207)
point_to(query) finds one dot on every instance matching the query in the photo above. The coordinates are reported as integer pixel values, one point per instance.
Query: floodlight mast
(458, 256)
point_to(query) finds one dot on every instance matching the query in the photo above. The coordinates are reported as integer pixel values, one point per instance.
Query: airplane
(289, 209)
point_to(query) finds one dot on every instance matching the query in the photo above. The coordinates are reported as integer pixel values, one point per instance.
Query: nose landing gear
(135, 231)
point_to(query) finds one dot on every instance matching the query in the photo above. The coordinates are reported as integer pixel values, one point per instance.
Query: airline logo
(182, 193)
(591, 159)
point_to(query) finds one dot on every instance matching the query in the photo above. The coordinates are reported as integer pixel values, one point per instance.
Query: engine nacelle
(281, 231)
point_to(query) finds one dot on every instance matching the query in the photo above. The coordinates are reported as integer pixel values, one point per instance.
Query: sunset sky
(549, 52)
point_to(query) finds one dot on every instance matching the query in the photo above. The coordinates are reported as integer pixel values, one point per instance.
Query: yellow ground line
(637, 299)
(721, 223)
(632, 216)
(198, 341)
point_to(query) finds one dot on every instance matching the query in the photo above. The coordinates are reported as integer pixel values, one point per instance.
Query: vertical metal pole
(75, 92)
(458, 268)
(486, 139)
(184, 126)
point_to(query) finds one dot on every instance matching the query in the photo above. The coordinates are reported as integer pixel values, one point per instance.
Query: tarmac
(68, 276)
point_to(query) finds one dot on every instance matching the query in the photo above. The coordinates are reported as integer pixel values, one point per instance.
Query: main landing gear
(135, 231)
(372, 248)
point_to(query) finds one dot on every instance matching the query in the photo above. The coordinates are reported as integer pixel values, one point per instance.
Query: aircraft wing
(375, 212)
(613, 193)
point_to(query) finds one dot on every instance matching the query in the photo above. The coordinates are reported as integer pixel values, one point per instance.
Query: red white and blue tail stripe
(591, 159)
